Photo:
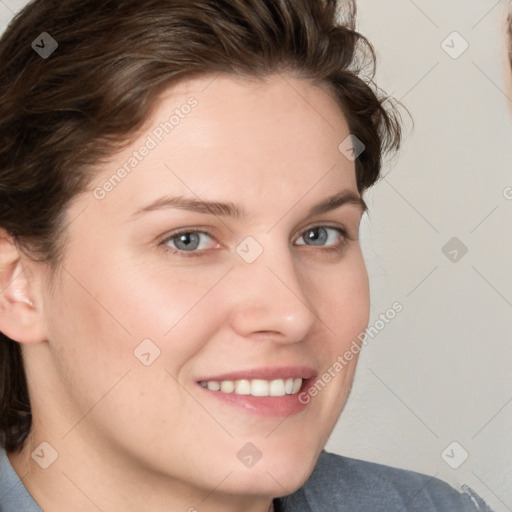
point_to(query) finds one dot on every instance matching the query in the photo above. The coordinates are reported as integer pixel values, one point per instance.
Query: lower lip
(276, 406)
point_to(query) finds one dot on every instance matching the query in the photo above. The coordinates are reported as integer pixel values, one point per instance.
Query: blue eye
(319, 236)
(190, 242)
(187, 241)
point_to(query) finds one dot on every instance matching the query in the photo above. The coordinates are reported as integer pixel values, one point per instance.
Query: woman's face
(140, 318)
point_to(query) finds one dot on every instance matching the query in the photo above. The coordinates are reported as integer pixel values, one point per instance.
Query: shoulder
(13, 494)
(358, 485)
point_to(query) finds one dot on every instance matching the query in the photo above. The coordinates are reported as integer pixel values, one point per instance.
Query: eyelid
(196, 229)
(324, 224)
(343, 231)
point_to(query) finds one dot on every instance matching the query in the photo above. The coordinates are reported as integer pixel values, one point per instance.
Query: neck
(80, 482)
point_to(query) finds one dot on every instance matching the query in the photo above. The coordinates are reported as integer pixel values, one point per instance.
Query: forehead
(237, 136)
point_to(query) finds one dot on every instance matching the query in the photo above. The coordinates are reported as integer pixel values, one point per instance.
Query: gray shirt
(337, 484)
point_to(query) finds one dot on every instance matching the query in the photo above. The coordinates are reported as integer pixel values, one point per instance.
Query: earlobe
(20, 318)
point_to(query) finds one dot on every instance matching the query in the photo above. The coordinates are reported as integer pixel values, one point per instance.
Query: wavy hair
(62, 115)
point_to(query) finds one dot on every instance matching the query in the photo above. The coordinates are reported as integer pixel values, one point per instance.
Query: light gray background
(440, 370)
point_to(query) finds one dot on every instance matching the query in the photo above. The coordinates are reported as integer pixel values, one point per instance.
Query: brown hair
(62, 115)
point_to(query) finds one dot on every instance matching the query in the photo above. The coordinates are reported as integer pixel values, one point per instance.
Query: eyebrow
(229, 209)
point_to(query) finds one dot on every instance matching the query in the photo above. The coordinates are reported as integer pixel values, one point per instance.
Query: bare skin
(132, 437)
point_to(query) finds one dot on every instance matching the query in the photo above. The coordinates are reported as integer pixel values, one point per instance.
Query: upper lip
(265, 373)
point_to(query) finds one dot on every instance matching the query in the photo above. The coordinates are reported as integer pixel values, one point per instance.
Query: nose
(268, 298)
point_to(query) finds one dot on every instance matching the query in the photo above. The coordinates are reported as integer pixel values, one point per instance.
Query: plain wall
(440, 370)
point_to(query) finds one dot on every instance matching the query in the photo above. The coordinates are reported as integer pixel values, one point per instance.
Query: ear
(20, 306)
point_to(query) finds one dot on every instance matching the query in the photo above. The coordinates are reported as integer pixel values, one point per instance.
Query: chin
(277, 474)
(269, 483)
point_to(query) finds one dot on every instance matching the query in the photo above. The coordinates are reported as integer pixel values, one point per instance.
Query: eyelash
(337, 247)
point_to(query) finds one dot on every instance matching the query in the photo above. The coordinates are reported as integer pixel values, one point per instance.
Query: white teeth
(259, 387)
(227, 386)
(243, 387)
(276, 387)
(213, 385)
(256, 387)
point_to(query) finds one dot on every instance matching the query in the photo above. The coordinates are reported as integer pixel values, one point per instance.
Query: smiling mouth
(255, 387)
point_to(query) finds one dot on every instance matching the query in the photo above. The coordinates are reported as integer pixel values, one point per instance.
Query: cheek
(88, 336)
(109, 309)
(99, 316)
(342, 298)
(343, 304)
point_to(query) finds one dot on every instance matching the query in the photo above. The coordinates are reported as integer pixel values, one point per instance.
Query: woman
(181, 191)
